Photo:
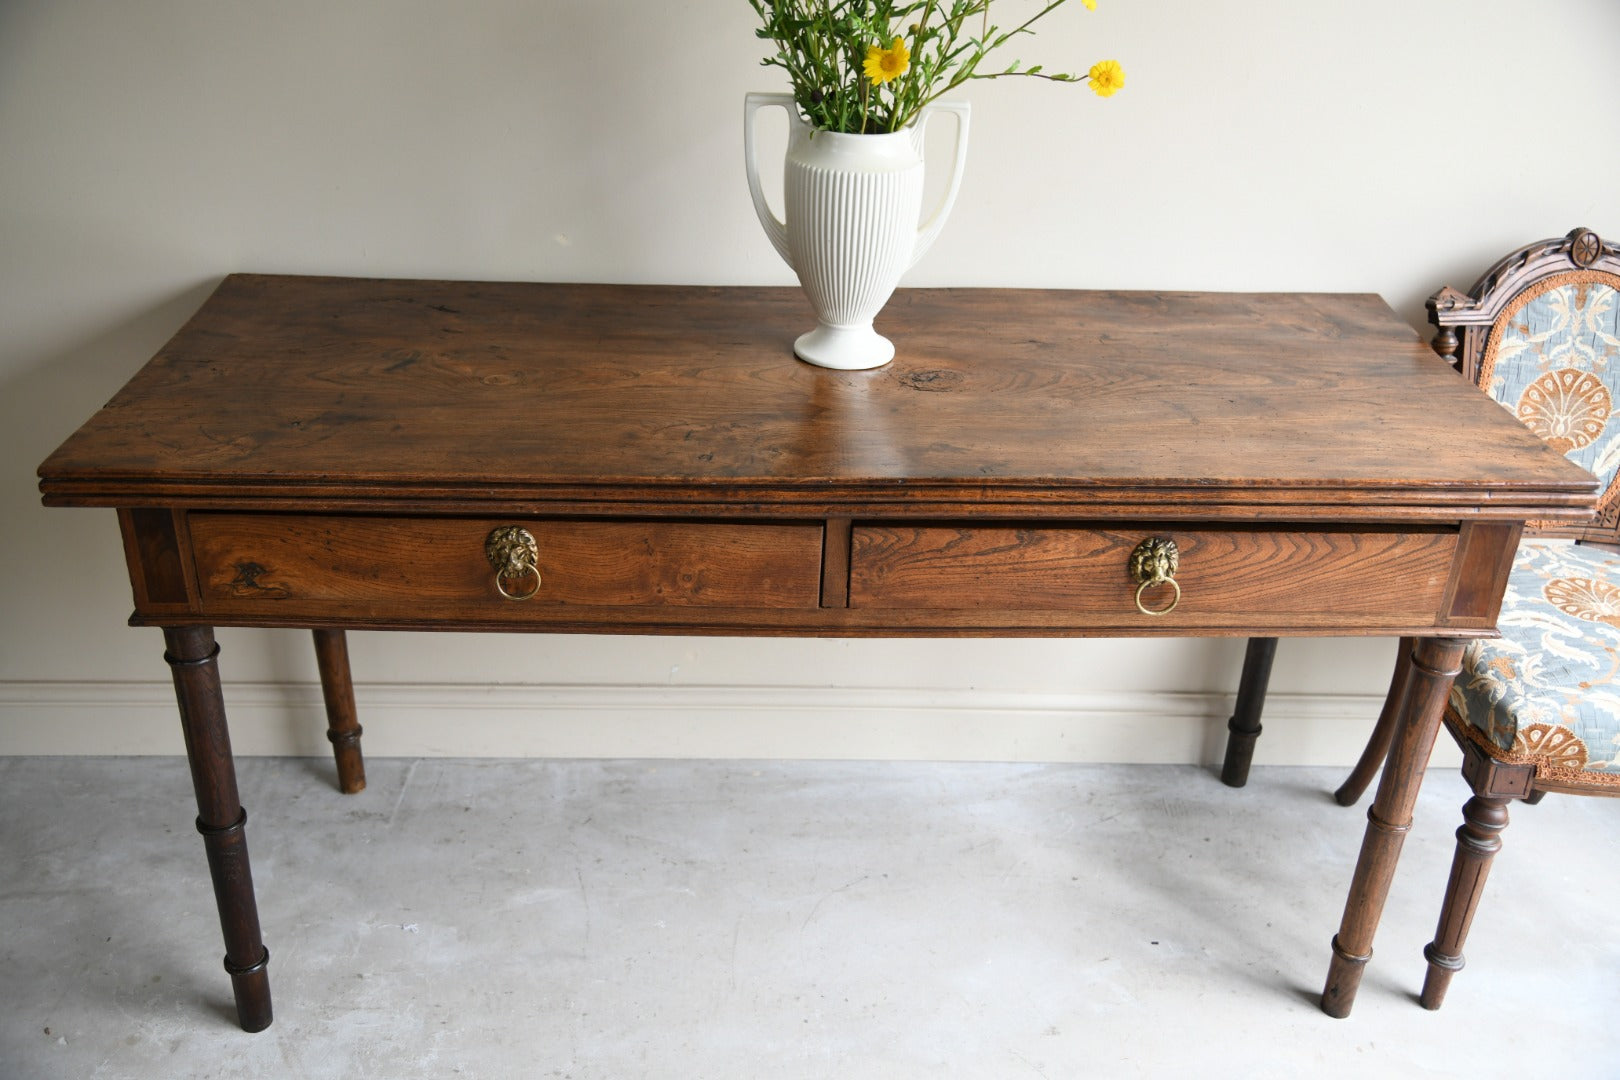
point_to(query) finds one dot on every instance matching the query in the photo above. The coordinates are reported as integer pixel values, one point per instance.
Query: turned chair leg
(343, 721)
(1377, 748)
(1478, 841)
(1244, 725)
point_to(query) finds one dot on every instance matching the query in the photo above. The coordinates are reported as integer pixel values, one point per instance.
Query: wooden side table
(336, 454)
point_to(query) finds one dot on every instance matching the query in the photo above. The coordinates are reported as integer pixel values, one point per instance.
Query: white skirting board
(737, 722)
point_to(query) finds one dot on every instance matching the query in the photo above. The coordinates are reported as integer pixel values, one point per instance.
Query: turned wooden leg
(1478, 841)
(342, 720)
(192, 655)
(1244, 726)
(1377, 748)
(1435, 662)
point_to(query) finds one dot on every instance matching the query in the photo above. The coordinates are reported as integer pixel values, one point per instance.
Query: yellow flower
(1106, 76)
(1091, 5)
(883, 64)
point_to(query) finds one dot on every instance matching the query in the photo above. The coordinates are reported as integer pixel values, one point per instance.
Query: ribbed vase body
(852, 203)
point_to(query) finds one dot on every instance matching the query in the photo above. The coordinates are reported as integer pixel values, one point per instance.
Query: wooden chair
(1537, 709)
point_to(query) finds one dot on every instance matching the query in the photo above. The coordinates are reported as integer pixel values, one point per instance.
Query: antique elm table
(334, 454)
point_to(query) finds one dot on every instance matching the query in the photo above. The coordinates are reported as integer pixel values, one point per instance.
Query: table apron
(895, 576)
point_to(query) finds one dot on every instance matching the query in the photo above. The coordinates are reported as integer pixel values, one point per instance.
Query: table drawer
(1226, 577)
(412, 566)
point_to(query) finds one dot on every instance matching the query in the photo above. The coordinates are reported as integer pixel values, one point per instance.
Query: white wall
(146, 149)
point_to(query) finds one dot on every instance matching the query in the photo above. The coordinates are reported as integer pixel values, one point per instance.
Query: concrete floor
(782, 919)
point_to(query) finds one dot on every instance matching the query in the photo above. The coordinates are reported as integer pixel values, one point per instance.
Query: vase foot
(847, 348)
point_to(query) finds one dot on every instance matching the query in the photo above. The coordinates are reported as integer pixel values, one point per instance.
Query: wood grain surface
(259, 562)
(334, 393)
(1257, 573)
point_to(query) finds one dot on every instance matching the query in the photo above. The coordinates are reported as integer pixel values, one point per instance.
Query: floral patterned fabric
(1547, 692)
(1554, 362)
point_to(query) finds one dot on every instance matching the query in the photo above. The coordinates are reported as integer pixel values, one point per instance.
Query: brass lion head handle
(515, 558)
(1153, 563)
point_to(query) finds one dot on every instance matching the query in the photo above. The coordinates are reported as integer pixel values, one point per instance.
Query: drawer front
(421, 567)
(1226, 578)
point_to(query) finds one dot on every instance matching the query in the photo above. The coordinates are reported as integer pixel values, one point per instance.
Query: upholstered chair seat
(1547, 692)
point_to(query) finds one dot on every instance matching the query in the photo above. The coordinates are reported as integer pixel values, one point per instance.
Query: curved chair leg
(1372, 757)
(1244, 726)
(1478, 841)
(342, 719)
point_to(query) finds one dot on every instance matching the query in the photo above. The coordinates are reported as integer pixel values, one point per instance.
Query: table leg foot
(252, 987)
(1344, 977)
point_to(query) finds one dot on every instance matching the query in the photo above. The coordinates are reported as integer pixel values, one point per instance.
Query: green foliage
(823, 46)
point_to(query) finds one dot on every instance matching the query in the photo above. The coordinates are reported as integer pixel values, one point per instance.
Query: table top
(391, 394)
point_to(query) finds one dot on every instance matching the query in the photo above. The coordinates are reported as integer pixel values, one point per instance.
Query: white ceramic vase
(853, 205)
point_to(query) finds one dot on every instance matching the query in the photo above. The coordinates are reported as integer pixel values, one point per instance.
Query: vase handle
(775, 229)
(929, 230)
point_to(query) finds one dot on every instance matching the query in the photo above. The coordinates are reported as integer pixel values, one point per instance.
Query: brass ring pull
(1155, 562)
(530, 591)
(1168, 608)
(515, 558)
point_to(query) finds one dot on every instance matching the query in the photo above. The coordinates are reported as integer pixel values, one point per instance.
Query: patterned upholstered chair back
(1540, 333)
(1538, 708)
